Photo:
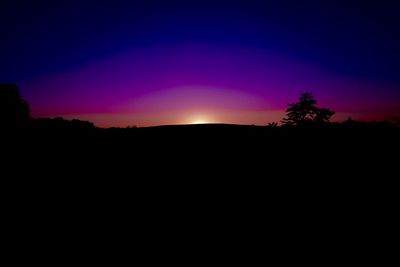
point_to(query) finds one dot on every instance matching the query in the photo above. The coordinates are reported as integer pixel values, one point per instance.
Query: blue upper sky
(360, 39)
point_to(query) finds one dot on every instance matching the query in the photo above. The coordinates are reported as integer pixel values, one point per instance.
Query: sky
(153, 62)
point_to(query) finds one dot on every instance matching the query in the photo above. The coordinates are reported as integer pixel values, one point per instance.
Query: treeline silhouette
(14, 110)
(303, 118)
(15, 114)
(61, 124)
(307, 160)
(70, 179)
(306, 130)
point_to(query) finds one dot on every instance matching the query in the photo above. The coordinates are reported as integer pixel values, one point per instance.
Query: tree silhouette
(323, 115)
(306, 112)
(14, 110)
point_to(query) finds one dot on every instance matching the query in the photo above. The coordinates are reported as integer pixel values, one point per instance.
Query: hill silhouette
(301, 151)
(297, 176)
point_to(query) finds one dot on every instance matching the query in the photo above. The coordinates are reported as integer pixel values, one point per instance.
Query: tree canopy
(306, 112)
(14, 110)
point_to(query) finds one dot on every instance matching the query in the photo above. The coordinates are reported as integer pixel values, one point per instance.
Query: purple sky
(151, 62)
(200, 82)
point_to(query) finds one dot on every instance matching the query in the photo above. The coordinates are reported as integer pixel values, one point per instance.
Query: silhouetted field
(202, 147)
(291, 179)
(309, 158)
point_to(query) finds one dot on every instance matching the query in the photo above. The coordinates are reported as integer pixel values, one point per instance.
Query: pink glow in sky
(187, 83)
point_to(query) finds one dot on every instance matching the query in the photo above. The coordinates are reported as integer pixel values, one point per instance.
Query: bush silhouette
(14, 110)
(306, 112)
(62, 124)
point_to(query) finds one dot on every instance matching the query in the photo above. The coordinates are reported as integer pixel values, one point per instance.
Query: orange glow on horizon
(106, 120)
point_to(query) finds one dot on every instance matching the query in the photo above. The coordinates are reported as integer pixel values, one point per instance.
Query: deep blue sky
(356, 38)
(150, 62)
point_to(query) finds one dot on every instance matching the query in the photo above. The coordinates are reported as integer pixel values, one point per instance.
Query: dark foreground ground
(334, 163)
(208, 150)
(330, 192)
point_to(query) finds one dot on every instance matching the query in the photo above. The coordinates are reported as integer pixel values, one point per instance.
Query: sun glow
(199, 122)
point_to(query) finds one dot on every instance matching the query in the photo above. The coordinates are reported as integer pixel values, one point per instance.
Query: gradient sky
(151, 62)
